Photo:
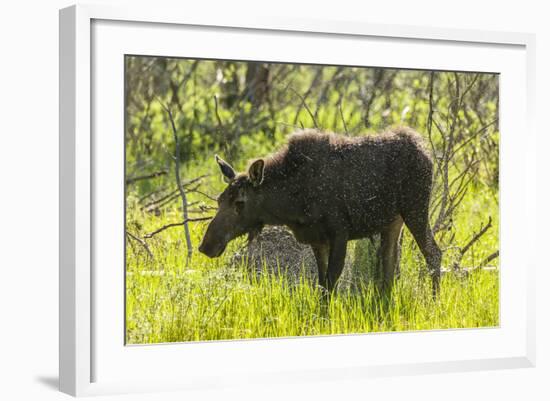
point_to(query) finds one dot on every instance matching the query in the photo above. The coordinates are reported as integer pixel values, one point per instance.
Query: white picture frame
(91, 362)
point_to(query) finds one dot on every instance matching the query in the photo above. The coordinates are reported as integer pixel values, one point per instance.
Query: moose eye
(239, 206)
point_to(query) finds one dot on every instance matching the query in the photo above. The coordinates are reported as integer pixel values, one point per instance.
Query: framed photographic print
(267, 199)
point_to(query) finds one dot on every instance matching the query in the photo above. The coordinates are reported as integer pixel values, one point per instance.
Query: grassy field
(170, 300)
(245, 110)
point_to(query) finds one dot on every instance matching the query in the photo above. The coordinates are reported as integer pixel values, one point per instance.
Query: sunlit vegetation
(246, 110)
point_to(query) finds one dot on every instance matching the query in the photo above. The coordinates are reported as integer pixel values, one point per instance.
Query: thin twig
(182, 223)
(430, 111)
(314, 83)
(160, 200)
(305, 106)
(476, 237)
(157, 205)
(141, 242)
(203, 194)
(489, 258)
(194, 180)
(151, 194)
(216, 112)
(342, 116)
(131, 180)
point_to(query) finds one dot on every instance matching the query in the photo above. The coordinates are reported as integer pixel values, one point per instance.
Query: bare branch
(182, 223)
(314, 83)
(151, 194)
(203, 194)
(304, 104)
(342, 116)
(131, 180)
(217, 113)
(141, 242)
(180, 186)
(159, 200)
(154, 206)
(489, 258)
(476, 237)
(194, 180)
(170, 196)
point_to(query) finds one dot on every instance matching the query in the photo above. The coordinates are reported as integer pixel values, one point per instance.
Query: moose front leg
(321, 252)
(336, 260)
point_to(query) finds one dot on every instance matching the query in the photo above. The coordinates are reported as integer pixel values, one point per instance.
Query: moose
(329, 189)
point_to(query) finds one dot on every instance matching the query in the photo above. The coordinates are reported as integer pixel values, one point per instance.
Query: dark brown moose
(329, 189)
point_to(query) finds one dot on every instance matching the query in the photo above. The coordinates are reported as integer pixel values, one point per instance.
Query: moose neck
(279, 204)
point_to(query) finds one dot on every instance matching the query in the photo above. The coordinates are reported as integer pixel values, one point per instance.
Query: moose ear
(256, 172)
(227, 170)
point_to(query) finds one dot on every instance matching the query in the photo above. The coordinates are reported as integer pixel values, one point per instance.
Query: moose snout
(204, 249)
(211, 250)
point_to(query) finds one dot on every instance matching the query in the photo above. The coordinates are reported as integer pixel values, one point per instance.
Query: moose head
(239, 208)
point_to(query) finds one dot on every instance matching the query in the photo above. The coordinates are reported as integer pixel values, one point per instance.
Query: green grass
(170, 300)
(199, 305)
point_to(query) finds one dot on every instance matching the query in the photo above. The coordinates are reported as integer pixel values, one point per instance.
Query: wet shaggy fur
(360, 183)
(329, 189)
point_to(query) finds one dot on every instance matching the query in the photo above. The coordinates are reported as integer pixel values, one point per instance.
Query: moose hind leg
(419, 226)
(390, 244)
